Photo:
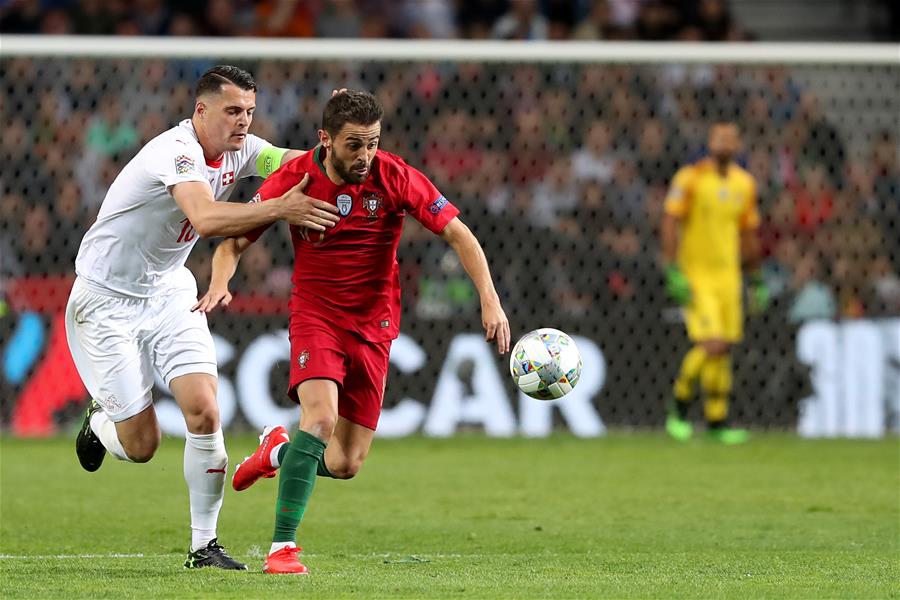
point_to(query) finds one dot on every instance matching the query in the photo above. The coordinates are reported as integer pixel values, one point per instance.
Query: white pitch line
(141, 555)
(47, 556)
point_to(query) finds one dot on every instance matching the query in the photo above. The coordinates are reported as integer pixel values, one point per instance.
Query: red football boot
(285, 562)
(257, 465)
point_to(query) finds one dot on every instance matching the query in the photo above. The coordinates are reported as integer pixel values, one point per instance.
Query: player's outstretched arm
(466, 246)
(224, 264)
(212, 219)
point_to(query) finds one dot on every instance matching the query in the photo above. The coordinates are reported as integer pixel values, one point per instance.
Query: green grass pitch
(627, 516)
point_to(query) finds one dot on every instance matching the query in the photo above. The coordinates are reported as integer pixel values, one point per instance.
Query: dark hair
(213, 80)
(352, 106)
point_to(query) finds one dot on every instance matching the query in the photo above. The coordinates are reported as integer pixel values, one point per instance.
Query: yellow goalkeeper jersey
(713, 210)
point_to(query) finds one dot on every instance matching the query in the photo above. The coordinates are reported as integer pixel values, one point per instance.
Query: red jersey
(349, 274)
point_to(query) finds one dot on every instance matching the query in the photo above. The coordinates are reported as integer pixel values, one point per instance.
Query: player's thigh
(318, 368)
(104, 339)
(363, 391)
(703, 315)
(195, 394)
(318, 406)
(348, 448)
(181, 343)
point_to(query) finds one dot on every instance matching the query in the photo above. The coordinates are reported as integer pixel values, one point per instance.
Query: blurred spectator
(598, 24)
(429, 19)
(823, 145)
(152, 17)
(813, 200)
(713, 21)
(339, 19)
(556, 193)
(659, 154)
(523, 21)
(594, 159)
(109, 134)
(56, 22)
(812, 298)
(21, 16)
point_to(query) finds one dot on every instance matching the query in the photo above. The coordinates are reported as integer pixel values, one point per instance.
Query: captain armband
(269, 160)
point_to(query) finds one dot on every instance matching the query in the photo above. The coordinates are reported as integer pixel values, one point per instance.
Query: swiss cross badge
(228, 178)
(303, 359)
(372, 203)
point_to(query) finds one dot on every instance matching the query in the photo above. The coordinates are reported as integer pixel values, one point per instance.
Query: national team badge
(228, 178)
(303, 359)
(372, 203)
(183, 164)
(344, 204)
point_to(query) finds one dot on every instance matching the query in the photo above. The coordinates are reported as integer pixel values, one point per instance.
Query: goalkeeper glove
(757, 293)
(677, 285)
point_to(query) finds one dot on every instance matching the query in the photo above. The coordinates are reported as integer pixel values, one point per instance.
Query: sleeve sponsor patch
(438, 205)
(184, 164)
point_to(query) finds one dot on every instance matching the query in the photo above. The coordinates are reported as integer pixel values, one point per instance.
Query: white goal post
(451, 50)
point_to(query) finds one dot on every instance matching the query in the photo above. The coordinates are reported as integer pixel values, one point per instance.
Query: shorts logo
(184, 164)
(344, 204)
(228, 178)
(385, 323)
(110, 403)
(372, 203)
(303, 359)
(438, 205)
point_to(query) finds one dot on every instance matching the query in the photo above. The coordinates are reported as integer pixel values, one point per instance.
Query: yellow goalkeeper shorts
(715, 311)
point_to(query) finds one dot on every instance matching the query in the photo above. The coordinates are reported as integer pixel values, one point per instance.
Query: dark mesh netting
(559, 169)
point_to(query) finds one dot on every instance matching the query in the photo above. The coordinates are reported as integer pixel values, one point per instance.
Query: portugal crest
(302, 359)
(372, 203)
(344, 204)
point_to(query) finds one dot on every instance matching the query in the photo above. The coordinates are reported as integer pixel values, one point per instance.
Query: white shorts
(117, 342)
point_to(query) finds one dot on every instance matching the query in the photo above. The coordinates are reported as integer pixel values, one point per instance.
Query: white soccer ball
(545, 364)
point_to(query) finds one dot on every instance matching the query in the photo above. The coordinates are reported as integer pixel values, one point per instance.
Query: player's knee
(321, 424)
(716, 347)
(204, 419)
(346, 468)
(142, 448)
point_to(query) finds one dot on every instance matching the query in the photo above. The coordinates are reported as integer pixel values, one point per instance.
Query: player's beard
(348, 175)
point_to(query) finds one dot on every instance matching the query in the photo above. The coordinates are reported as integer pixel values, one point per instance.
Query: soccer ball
(545, 364)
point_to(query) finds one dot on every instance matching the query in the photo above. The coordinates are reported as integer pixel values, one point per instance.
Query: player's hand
(677, 285)
(304, 211)
(757, 293)
(211, 299)
(336, 92)
(496, 325)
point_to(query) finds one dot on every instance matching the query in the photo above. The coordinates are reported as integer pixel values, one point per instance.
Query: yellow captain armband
(269, 160)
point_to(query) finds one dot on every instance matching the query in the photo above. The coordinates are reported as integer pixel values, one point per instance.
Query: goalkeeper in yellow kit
(708, 230)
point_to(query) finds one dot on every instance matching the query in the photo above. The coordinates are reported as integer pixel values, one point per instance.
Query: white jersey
(141, 238)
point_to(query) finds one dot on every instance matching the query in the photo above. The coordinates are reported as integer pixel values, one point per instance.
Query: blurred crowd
(561, 171)
(439, 19)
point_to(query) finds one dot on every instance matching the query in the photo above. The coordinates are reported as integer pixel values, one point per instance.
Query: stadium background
(560, 168)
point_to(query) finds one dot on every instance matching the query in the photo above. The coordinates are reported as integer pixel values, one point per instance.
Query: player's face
(351, 151)
(226, 116)
(724, 141)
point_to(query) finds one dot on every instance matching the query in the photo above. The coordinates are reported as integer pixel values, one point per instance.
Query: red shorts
(321, 350)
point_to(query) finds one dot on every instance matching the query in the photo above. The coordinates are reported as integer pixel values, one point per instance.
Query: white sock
(205, 464)
(105, 429)
(273, 455)
(276, 546)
